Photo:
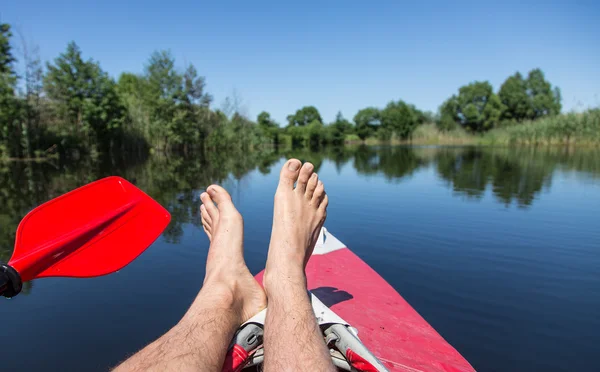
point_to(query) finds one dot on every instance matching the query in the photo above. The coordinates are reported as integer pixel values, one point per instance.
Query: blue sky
(336, 55)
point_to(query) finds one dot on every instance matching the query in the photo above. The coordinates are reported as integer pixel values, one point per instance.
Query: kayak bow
(366, 324)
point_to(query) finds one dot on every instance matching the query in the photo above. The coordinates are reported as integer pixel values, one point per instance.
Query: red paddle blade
(94, 230)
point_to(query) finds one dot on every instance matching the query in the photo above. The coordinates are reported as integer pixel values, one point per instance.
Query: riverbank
(582, 129)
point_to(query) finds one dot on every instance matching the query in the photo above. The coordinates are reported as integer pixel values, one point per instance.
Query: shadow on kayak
(331, 295)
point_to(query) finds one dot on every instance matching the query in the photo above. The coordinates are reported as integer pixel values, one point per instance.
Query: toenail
(320, 183)
(211, 191)
(293, 166)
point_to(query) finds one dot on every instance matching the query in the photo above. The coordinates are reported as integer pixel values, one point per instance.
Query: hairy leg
(293, 340)
(229, 297)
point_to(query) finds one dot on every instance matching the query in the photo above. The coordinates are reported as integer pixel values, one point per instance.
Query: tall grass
(429, 134)
(572, 128)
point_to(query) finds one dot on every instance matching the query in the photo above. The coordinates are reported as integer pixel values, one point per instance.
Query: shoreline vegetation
(580, 129)
(70, 108)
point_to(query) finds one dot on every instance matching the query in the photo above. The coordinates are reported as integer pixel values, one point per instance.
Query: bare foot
(226, 269)
(298, 217)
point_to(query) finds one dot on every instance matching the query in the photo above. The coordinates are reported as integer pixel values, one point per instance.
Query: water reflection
(512, 175)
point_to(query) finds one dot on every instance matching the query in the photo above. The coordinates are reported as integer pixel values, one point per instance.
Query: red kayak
(367, 325)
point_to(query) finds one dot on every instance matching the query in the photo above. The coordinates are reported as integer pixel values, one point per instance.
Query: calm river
(498, 249)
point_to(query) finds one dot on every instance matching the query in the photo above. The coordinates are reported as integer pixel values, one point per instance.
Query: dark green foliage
(83, 110)
(430, 117)
(401, 119)
(84, 99)
(6, 56)
(171, 110)
(9, 106)
(367, 121)
(76, 108)
(476, 108)
(513, 95)
(304, 116)
(305, 128)
(544, 100)
(449, 119)
(337, 131)
(269, 127)
(530, 98)
(264, 120)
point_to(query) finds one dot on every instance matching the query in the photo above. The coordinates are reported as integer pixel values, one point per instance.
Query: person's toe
(305, 172)
(318, 194)
(311, 186)
(224, 202)
(323, 206)
(219, 195)
(205, 215)
(289, 174)
(206, 220)
(209, 205)
(207, 232)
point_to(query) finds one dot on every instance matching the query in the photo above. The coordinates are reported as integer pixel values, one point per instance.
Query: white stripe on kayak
(327, 243)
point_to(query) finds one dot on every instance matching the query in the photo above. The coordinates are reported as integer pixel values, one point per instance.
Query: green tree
(492, 112)
(133, 91)
(84, 98)
(32, 133)
(449, 110)
(269, 127)
(400, 118)
(299, 135)
(194, 88)
(430, 117)
(9, 106)
(304, 116)
(264, 120)
(336, 131)
(6, 56)
(164, 85)
(544, 99)
(342, 124)
(193, 104)
(316, 133)
(513, 95)
(171, 109)
(366, 121)
(476, 107)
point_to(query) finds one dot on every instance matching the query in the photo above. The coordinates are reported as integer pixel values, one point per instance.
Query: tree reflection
(394, 162)
(509, 174)
(512, 175)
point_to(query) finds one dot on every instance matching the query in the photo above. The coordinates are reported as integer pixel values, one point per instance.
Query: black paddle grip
(10, 281)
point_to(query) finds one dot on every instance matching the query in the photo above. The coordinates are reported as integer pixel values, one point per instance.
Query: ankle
(215, 302)
(283, 281)
(223, 294)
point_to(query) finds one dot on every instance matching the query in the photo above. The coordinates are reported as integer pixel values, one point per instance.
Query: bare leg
(293, 340)
(229, 297)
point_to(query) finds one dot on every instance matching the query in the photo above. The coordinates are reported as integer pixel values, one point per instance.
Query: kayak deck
(386, 323)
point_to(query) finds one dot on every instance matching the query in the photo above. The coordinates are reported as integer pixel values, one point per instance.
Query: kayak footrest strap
(355, 352)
